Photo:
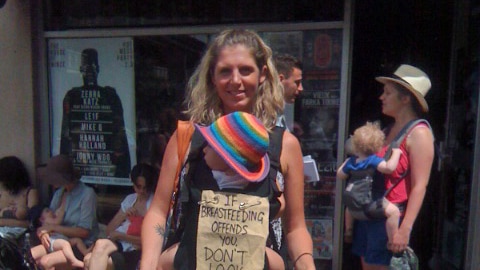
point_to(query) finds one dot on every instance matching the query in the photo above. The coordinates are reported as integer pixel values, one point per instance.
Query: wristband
(300, 256)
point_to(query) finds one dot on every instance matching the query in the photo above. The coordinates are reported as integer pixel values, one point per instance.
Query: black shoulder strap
(196, 147)
(396, 143)
(197, 143)
(275, 146)
(274, 151)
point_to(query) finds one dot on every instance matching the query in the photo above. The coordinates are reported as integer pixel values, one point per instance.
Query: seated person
(17, 196)
(80, 215)
(227, 168)
(121, 249)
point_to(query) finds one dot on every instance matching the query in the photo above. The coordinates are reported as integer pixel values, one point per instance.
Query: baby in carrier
(236, 153)
(365, 142)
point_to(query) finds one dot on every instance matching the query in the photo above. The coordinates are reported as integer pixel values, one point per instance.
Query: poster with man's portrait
(93, 106)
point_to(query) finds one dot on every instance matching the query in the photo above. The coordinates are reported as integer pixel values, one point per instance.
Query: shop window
(63, 15)
(119, 97)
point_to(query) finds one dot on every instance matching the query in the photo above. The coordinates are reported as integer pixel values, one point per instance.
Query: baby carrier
(357, 195)
(195, 182)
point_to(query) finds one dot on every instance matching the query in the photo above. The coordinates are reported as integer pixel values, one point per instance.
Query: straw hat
(413, 79)
(242, 141)
(59, 171)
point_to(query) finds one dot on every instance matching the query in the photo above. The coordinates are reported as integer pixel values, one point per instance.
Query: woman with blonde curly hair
(205, 103)
(236, 73)
(365, 142)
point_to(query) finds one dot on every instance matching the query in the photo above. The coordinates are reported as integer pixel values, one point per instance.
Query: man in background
(289, 69)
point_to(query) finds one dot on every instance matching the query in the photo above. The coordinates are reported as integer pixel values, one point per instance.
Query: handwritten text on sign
(232, 231)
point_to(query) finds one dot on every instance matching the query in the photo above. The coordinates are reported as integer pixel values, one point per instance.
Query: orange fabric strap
(185, 131)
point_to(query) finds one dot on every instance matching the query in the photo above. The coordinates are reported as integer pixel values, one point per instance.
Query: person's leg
(349, 220)
(78, 242)
(100, 258)
(86, 261)
(53, 260)
(66, 248)
(275, 261)
(393, 218)
(38, 252)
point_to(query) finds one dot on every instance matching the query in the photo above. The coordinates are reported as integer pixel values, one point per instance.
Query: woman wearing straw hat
(403, 99)
(79, 218)
(235, 74)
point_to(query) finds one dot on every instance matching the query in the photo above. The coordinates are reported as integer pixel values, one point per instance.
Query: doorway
(440, 37)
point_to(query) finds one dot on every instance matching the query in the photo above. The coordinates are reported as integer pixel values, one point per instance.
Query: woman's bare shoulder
(291, 155)
(289, 140)
(421, 133)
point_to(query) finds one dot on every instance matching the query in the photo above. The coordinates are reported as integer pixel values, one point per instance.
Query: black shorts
(126, 260)
(119, 246)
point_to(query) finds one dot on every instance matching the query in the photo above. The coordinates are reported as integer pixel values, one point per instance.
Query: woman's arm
(340, 174)
(116, 221)
(134, 240)
(299, 241)
(11, 222)
(65, 230)
(153, 227)
(420, 152)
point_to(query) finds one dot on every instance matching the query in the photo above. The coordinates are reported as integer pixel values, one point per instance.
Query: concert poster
(92, 97)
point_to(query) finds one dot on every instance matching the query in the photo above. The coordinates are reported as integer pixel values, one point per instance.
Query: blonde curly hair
(368, 139)
(202, 101)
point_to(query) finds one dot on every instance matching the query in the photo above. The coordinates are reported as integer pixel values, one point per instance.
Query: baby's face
(46, 213)
(214, 161)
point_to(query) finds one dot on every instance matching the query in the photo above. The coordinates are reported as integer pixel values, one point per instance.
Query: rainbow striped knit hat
(242, 141)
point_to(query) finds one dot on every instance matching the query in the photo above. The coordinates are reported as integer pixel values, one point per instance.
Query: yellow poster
(232, 231)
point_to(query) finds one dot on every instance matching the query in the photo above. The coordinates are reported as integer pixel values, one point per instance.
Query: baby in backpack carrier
(365, 142)
(250, 147)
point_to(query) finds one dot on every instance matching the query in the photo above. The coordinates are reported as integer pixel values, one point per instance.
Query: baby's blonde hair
(368, 139)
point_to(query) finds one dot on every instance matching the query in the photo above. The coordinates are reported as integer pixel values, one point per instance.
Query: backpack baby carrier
(184, 216)
(357, 195)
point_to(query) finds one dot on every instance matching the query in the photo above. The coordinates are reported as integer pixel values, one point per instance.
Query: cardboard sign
(232, 231)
